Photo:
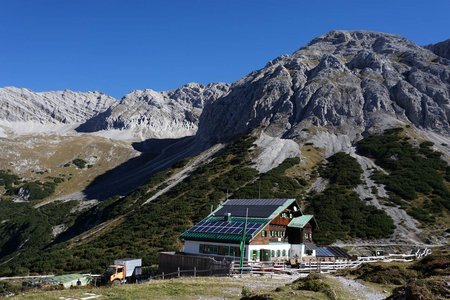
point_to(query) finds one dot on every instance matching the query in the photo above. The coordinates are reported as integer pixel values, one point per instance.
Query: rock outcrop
(442, 49)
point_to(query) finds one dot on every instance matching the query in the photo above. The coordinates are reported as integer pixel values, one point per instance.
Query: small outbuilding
(69, 280)
(332, 254)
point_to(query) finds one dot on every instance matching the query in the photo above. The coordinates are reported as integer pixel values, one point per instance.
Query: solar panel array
(254, 211)
(332, 251)
(324, 251)
(224, 227)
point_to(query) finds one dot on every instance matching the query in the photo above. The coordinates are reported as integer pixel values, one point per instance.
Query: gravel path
(359, 290)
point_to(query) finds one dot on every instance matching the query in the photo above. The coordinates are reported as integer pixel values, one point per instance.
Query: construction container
(132, 265)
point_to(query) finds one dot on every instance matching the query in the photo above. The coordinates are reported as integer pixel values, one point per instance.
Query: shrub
(79, 163)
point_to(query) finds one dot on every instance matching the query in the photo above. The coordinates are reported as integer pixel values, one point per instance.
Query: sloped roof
(216, 228)
(258, 208)
(311, 246)
(301, 221)
(219, 230)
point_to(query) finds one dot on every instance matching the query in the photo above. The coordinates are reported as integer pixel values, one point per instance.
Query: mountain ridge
(344, 79)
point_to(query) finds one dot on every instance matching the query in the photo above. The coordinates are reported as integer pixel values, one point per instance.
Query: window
(290, 216)
(222, 250)
(273, 253)
(278, 253)
(263, 233)
(283, 215)
(213, 249)
(284, 253)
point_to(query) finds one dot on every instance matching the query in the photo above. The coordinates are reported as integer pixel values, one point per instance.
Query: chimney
(227, 217)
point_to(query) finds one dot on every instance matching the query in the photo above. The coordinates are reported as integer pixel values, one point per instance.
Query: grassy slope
(121, 227)
(183, 288)
(40, 157)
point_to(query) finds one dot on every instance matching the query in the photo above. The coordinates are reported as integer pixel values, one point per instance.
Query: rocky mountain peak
(346, 81)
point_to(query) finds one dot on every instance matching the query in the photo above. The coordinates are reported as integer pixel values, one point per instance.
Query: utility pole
(242, 246)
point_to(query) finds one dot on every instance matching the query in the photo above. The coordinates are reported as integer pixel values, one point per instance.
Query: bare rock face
(168, 114)
(347, 82)
(442, 49)
(57, 107)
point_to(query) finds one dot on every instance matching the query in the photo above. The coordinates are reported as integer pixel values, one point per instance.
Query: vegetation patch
(423, 289)
(384, 274)
(27, 230)
(36, 190)
(314, 282)
(417, 176)
(424, 279)
(339, 211)
(79, 163)
(28, 190)
(9, 181)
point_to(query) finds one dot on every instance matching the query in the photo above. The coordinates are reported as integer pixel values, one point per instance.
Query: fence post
(178, 271)
(195, 271)
(163, 275)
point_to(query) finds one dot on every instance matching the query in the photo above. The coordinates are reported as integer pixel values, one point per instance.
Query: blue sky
(118, 46)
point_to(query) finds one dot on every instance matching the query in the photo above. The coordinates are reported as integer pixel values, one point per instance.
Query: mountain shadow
(157, 154)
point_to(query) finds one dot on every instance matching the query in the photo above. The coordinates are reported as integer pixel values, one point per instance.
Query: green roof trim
(300, 222)
(231, 238)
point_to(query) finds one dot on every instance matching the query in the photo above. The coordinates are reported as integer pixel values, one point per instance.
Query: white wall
(274, 246)
(193, 247)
